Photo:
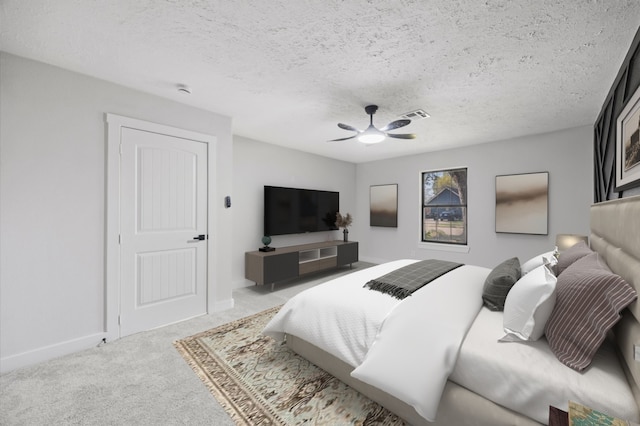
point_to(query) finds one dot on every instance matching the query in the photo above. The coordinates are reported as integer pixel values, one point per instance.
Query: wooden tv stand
(293, 261)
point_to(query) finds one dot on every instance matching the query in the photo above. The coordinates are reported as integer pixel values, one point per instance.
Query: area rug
(259, 381)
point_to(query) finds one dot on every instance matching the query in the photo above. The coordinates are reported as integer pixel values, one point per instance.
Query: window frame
(447, 245)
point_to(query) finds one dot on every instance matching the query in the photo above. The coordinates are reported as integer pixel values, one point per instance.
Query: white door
(163, 229)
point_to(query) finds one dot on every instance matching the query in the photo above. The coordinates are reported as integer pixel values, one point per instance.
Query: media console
(293, 261)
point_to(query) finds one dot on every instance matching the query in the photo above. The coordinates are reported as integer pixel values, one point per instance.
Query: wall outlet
(636, 352)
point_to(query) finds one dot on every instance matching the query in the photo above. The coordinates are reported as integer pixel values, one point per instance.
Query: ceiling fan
(373, 135)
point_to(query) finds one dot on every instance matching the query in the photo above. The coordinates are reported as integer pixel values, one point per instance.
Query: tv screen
(296, 211)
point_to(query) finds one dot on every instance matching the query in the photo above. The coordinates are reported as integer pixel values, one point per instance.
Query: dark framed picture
(522, 203)
(628, 145)
(383, 201)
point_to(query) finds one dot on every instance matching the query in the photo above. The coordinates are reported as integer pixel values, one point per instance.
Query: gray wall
(632, 192)
(52, 211)
(256, 164)
(605, 128)
(566, 155)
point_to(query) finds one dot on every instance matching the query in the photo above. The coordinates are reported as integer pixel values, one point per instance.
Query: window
(444, 206)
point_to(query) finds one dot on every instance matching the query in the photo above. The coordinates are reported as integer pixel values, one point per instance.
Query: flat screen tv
(297, 211)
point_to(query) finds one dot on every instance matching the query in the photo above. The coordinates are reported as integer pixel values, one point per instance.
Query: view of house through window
(444, 206)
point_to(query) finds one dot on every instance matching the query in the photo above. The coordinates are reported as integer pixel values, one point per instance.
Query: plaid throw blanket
(404, 281)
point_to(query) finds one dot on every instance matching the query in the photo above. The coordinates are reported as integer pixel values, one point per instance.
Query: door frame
(114, 124)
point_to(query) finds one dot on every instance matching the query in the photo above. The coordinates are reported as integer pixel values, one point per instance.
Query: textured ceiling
(287, 71)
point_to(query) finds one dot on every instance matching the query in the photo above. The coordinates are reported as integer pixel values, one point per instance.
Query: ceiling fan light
(370, 139)
(371, 136)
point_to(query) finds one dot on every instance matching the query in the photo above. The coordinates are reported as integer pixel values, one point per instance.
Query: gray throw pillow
(499, 282)
(570, 255)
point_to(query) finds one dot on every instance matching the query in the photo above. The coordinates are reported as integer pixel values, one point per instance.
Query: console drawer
(318, 265)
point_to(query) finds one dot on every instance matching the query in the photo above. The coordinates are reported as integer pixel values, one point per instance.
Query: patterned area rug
(259, 381)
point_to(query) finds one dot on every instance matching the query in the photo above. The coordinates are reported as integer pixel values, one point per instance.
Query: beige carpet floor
(137, 380)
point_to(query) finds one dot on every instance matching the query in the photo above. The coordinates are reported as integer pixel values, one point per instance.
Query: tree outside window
(444, 206)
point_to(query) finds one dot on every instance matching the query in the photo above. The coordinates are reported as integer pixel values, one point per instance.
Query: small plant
(343, 221)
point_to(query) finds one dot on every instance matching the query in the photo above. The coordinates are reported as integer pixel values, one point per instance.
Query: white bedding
(338, 316)
(488, 367)
(430, 324)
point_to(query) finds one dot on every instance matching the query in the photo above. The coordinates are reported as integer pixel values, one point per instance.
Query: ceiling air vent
(415, 115)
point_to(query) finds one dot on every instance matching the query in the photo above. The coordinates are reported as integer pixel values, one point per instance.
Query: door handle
(200, 237)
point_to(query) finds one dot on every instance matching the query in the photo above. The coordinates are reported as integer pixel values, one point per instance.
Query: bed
(442, 357)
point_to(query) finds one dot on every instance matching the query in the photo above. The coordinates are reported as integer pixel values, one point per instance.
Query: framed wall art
(628, 145)
(383, 200)
(522, 203)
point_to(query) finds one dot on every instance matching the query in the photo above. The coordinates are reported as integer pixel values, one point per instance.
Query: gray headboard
(615, 234)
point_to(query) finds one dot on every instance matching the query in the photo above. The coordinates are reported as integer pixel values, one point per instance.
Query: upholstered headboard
(615, 234)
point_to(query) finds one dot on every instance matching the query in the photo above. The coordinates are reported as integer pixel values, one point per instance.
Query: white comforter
(406, 348)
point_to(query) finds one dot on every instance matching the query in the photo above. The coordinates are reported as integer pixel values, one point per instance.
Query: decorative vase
(345, 232)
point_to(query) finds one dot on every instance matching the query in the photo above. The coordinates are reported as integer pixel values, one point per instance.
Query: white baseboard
(223, 305)
(35, 356)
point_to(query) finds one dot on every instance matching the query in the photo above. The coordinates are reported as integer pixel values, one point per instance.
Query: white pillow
(528, 305)
(537, 261)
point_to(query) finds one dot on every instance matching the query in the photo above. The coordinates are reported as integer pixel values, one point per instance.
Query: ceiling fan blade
(342, 139)
(347, 127)
(395, 125)
(402, 136)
